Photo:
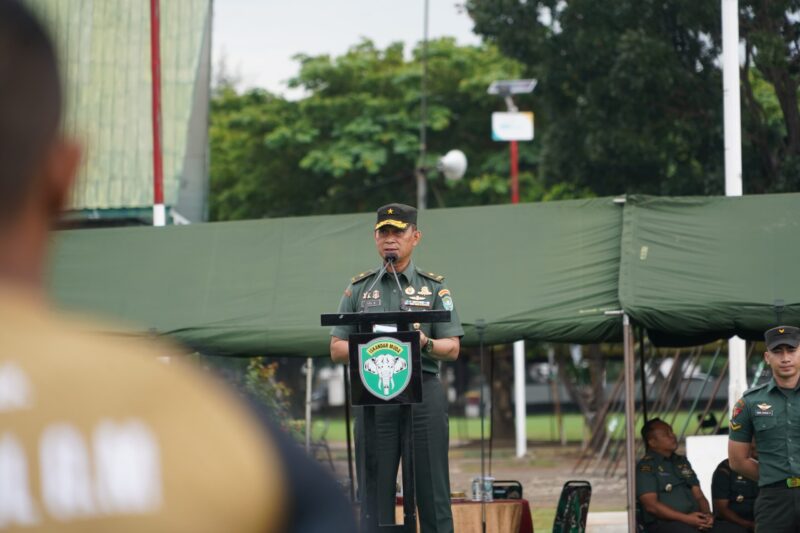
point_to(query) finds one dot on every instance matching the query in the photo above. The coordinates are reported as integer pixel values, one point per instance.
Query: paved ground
(542, 474)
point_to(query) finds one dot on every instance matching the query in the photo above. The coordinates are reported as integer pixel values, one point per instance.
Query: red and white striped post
(159, 211)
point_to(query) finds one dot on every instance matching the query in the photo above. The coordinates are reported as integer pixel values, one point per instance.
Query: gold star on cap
(391, 212)
(781, 330)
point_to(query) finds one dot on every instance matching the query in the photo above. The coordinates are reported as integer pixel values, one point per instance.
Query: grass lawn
(540, 427)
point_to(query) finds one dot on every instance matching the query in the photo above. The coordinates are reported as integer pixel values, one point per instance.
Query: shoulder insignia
(756, 388)
(430, 275)
(363, 275)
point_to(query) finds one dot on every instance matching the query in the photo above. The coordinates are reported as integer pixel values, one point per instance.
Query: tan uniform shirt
(97, 435)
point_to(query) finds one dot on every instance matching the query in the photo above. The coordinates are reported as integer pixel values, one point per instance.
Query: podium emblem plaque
(384, 364)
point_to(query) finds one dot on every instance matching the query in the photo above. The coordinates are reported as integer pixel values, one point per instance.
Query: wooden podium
(376, 358)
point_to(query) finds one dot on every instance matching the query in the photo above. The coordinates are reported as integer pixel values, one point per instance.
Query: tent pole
(643, 373)
(630, 417)
(519, 398)
(309, 381)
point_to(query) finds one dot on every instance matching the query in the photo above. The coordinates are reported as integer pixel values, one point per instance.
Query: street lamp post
(507, 88)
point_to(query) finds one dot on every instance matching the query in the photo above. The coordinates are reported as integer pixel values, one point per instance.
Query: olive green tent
(687, 269)
(536, 271)
(696, 269)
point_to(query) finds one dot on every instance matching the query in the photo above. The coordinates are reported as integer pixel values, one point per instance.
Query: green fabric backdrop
(689, 270)
(695, 269)
(535, 271)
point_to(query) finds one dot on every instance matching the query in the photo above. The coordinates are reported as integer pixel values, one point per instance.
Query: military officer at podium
(396, 236)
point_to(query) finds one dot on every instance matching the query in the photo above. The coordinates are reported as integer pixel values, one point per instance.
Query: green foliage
(260, 382)
(630, 91)
(353, 142)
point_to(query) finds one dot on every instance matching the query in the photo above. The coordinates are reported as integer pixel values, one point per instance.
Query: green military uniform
(772, 415)
(418, 290)
(740, 491)
(672, 479)
(421, 290)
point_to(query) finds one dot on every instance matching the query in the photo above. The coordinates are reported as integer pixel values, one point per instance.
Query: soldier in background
(667, 489)
(734, 496)
(95, 434)
(769, 414)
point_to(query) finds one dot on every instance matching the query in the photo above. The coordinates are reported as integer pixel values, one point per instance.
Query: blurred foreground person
(95, 434)
(667, 488)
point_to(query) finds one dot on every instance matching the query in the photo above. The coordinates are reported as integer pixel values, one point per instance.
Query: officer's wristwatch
(428, 348)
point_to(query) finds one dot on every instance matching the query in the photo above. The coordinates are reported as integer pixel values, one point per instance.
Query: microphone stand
(377, 278)
(480, 326)
(390, 259)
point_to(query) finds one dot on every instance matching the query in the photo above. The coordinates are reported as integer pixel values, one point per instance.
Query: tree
(630, 92)
(770, 80)
(353, 142)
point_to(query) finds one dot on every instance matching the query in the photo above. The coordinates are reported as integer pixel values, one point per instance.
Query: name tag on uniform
(384, 328)
(763, 409)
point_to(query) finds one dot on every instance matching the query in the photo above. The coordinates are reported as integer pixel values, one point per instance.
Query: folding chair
(573, 507)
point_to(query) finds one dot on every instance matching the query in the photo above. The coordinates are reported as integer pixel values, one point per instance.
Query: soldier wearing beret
(734, 496)
(667, 489)
(396, 236)
(770, 413)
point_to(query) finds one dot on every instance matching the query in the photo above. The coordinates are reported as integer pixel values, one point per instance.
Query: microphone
(390, 259)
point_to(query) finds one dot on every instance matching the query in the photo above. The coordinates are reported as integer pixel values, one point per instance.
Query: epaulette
(363, 275)
(757, 387)
(430, 275)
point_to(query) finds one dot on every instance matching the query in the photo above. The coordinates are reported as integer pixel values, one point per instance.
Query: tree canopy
(353, 142)
(630, 91)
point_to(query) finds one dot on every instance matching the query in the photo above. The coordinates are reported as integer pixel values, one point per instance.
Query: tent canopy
(703, 268)
(539, 271)
(687, 269)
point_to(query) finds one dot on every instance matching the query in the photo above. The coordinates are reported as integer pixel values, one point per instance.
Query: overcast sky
(259, 37)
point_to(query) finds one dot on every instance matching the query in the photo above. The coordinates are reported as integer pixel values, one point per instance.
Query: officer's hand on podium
(423, 339)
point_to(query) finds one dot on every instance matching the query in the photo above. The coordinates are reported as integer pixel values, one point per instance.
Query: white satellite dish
(453, 165)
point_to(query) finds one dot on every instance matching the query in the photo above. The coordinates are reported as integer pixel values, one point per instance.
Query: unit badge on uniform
(425, 291)
(410, 290)
(385, 366)
(447, 302)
